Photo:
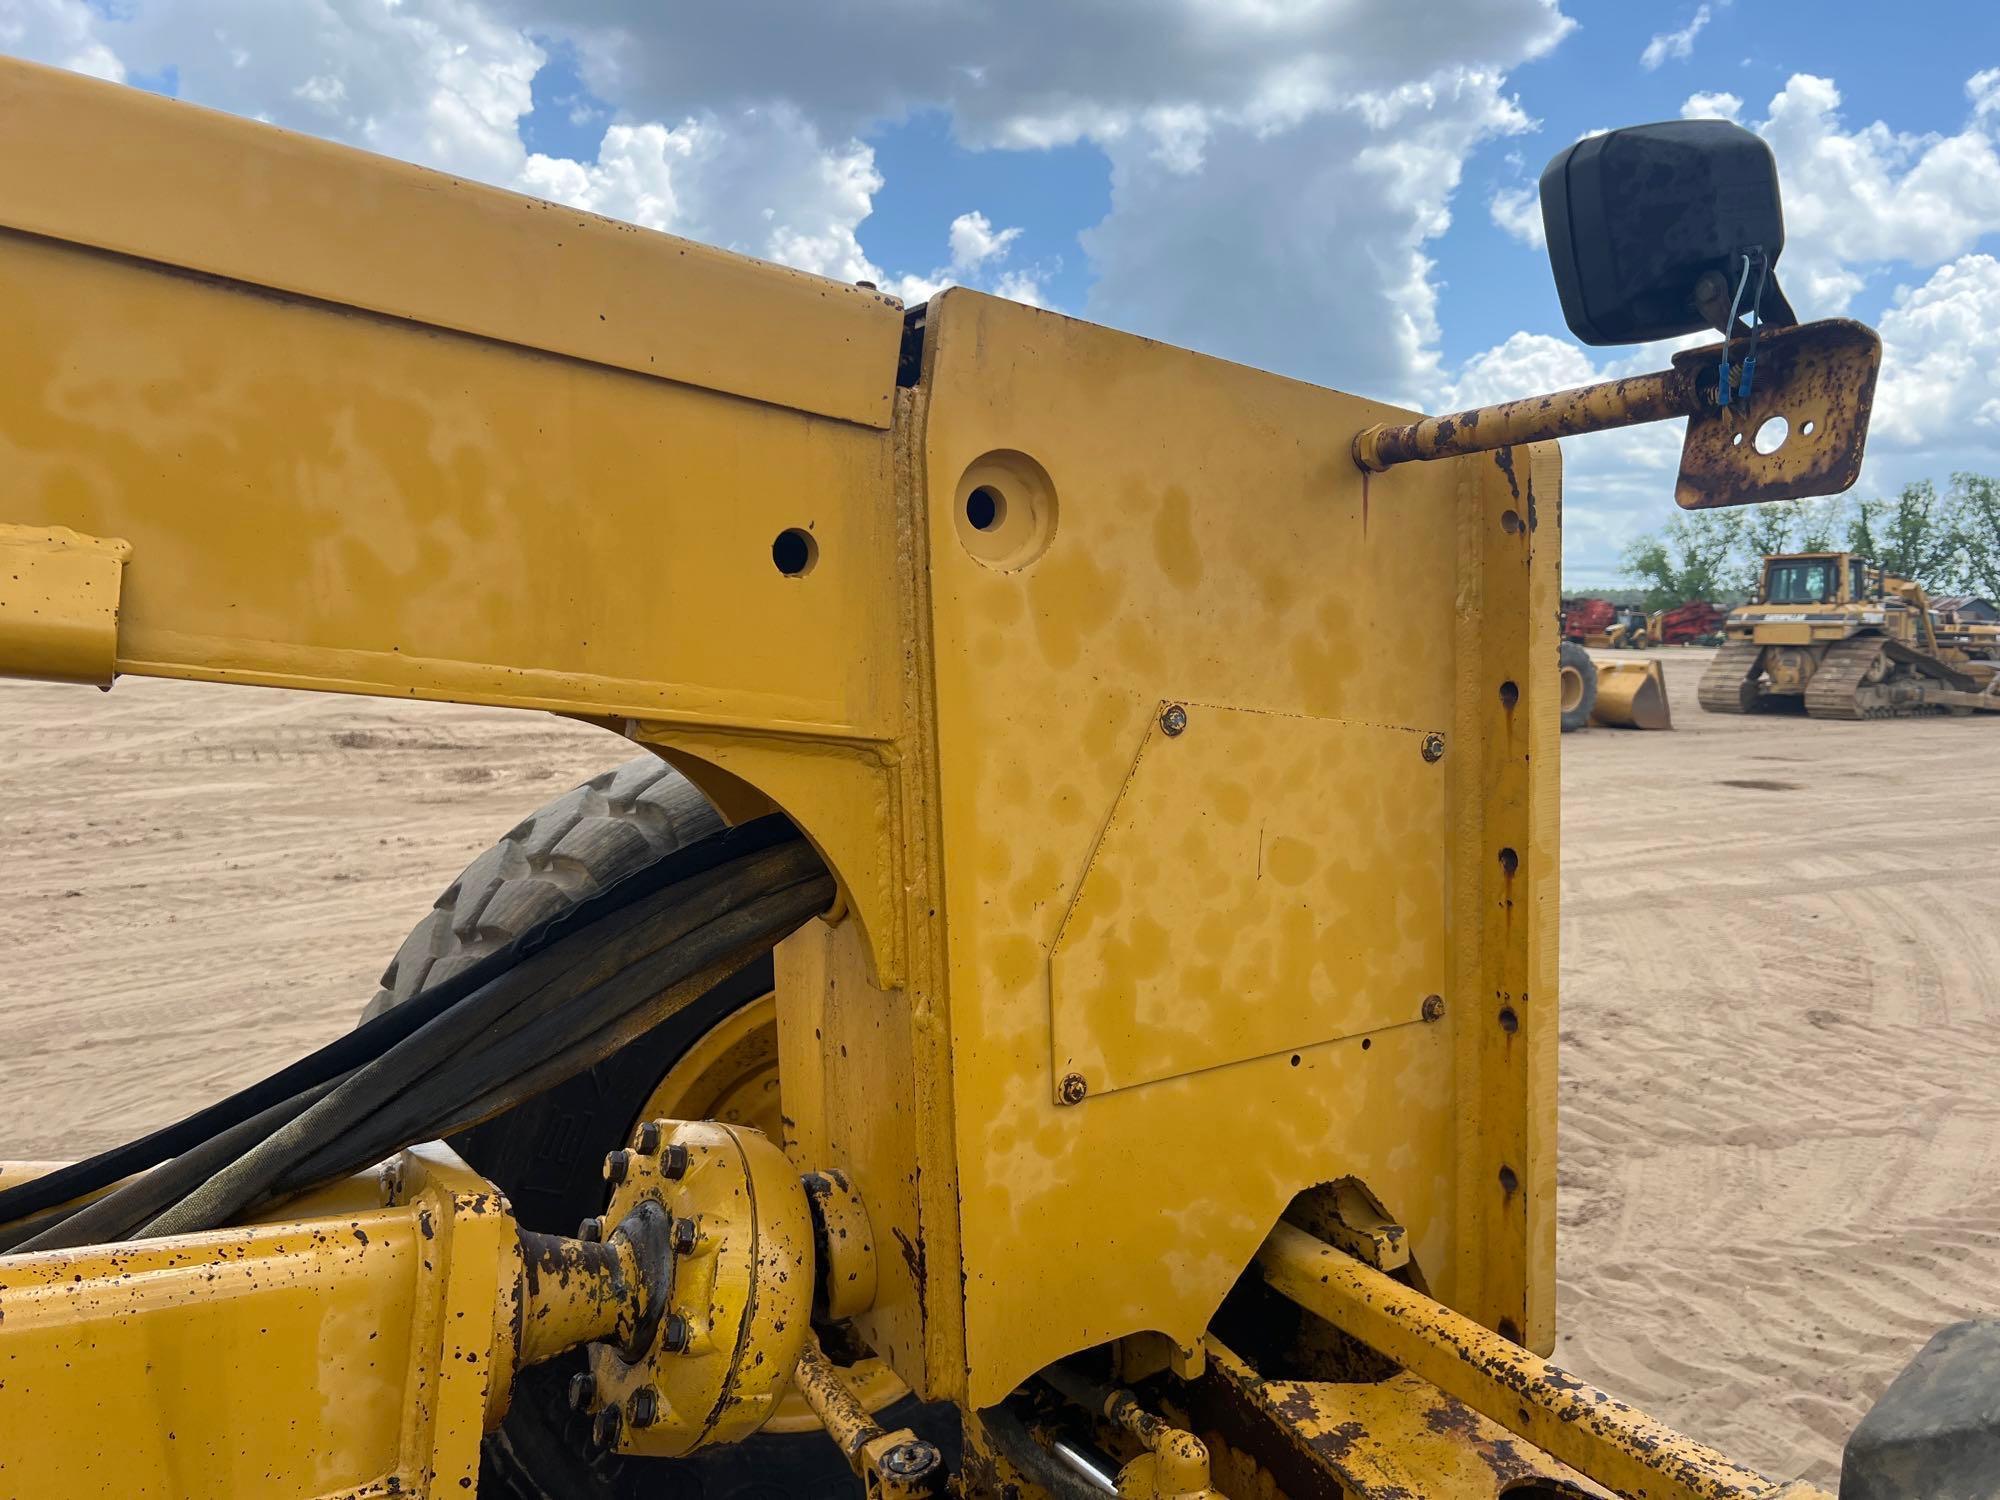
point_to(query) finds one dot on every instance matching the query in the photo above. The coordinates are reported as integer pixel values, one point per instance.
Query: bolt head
(674, 1162)
(908, 1460)
(1173, 721)
(1433, 1007)
(676, 1335)
(617, 1166)
(646, 1139)
(609, 1424)
(582, 1391)
(645, 1406)
(1073, 1089)
(590, 1231)
(684, 1236)
(1433, 747)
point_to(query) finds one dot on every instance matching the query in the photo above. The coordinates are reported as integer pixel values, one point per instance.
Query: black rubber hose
(565, 1036)
(374, 1037)
(336, 1129)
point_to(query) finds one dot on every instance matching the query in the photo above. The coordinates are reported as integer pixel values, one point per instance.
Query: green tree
(1912, 536)
(1820, 522)
(1767, 530)
(1688, 558)
(1973, 507)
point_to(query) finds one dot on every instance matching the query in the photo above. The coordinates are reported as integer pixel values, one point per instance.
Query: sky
(1340, 190)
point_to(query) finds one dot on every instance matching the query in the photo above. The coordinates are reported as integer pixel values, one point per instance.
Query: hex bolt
(646, 1139)
(1433, 1007)
(590, 1231)
(582, 1391)
(645, 1406)
(674, 1162)
(604, 1431)
(1433, 747)
(684, 1236)
(1173, 721)
(1073, 1089)
(911, 1460)
(617, 1165)
(676, 1335)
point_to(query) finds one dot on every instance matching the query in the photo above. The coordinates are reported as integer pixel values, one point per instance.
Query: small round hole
(1806, 429)
(1509, 1022)
(1508, 1181)
(1366, 1043)
(1510, 521)
(985, 508)
(1295, 1059)
(1509, 695)
(1771, 436)
(794, 552)
(1509, 861)
(1737, 441)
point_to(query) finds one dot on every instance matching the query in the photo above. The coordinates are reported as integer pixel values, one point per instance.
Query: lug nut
(684, 1237)
(1433, 1007)
(604, 1431)
(1173, 721)
(646, 1139)
(1433, 747)
(590, 1231)
(645, 1406)
(582, 1391)
(617, 1165)
(1073, 1088)
(674, 1162)
(676, 1335)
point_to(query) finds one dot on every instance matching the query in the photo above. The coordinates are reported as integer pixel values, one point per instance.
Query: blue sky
(1338, 189)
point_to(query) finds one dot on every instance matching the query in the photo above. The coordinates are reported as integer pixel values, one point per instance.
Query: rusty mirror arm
(1800, 432)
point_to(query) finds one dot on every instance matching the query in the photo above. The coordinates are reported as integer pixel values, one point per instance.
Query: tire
(546, 1153)
(1577, 704)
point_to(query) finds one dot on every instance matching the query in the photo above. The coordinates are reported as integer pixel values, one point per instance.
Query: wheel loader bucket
(1631, 695)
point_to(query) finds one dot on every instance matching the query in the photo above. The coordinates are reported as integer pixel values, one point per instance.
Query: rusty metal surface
(1819, 377)
(1396, 1439)
(1657, 397)
(1619, 1447)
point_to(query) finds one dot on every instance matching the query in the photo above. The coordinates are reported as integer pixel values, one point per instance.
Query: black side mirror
(1659, 230)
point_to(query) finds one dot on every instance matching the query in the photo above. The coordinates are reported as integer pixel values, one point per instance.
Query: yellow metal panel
(1254, 892)
(123, 170)
(347, 1347)
(59, 603)
(1782, 635)
(1206, 538)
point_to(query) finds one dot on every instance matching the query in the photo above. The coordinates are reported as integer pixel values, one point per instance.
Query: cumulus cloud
(1941, 358)
(974, 241)
(1518, 211)
(1674, 44)
(61, 32)
(1712, 107)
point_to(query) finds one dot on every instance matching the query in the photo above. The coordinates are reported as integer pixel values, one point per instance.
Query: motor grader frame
(1182, 746)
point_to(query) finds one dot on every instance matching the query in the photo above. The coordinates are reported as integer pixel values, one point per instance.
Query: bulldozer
(1043, 1014)
(1840, 637)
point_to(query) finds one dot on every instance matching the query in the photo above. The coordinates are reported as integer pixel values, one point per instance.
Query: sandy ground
(1781, 976)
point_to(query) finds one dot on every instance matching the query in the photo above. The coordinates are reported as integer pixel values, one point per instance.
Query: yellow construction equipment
(1045, 1014)
(1616, 692)
(1838, 636)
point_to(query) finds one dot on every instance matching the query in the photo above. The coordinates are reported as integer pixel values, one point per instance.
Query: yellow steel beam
(1612, 1443)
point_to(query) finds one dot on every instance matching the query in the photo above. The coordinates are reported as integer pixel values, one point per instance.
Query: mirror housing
(1648, 227)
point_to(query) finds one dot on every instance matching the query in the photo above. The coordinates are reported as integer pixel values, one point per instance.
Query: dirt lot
(1781, 1126)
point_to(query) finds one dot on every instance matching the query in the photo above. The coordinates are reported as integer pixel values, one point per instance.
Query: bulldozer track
(1838, 689)
(1721, 690)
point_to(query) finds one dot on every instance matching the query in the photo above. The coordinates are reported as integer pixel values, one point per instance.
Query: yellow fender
(1631, 695)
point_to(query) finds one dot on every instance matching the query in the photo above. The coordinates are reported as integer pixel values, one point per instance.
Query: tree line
(1949, 543)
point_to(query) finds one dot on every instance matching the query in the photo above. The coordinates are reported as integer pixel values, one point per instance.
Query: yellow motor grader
(1838, 636)
(1064, 1002)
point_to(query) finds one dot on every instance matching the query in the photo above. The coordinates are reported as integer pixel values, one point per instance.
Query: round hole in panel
(1771, 436)
(1005, 509)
